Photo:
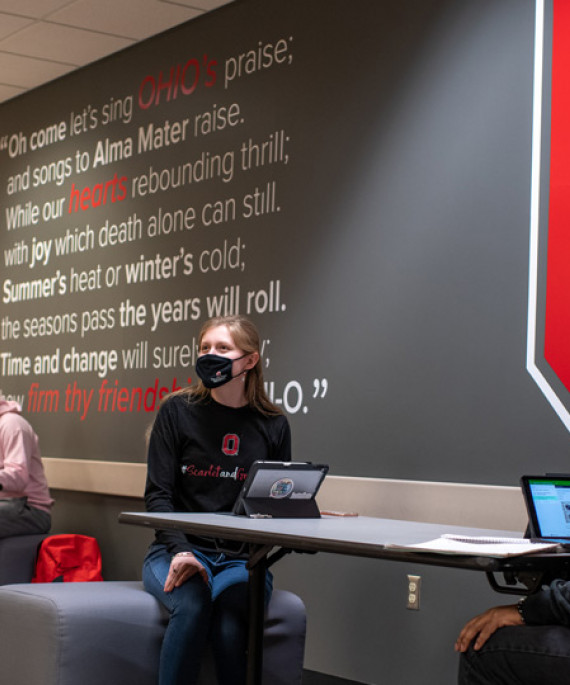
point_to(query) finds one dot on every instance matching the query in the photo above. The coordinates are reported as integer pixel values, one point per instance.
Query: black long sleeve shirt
(199, 455)
(549, 606)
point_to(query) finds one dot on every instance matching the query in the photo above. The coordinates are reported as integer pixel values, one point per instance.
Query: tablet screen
(289, 482)
(281, 482)
(548, 504)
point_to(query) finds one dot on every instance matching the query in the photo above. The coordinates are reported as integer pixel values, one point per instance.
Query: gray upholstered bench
(111, 633)
(18, 558)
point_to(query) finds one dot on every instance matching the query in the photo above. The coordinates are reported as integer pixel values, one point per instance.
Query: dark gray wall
(394, 237)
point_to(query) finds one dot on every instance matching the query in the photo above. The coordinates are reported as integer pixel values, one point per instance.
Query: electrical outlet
(414, 585)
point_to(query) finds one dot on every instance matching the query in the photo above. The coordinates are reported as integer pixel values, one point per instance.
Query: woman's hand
(183, 566)
(484, 625)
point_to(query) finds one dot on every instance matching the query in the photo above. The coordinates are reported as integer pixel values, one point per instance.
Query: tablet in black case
(281, 489)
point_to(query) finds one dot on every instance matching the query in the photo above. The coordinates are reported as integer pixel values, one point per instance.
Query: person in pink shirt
(25, 502)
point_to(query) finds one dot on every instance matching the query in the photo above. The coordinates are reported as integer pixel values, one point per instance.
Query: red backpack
(68, 558)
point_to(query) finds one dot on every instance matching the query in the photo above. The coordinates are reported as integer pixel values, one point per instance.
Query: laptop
(281, 489)
(547, 500)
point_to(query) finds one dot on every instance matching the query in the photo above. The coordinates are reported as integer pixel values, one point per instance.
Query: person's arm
(550, 606)
(480, 628)
(161, 474)
(160, 496)
(17, 447)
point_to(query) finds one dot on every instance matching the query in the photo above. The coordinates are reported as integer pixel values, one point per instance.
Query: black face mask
(215, 370)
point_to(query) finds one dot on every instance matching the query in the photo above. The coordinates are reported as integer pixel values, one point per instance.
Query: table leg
(257, 570)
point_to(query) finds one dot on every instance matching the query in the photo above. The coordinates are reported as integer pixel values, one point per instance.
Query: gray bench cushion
(110, 633)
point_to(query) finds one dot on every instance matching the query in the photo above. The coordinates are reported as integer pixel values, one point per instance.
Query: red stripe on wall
(557, 323)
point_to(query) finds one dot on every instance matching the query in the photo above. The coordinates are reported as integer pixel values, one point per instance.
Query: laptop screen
(548, 503)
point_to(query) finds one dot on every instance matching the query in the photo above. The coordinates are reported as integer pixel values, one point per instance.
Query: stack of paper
(479, 546)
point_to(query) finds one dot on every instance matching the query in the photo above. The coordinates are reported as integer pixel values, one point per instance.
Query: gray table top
(355, 535)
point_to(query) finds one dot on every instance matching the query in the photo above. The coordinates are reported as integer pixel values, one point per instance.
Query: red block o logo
(230, 445)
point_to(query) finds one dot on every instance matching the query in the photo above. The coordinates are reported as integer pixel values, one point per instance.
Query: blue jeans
(217, 612)
(519, 655)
